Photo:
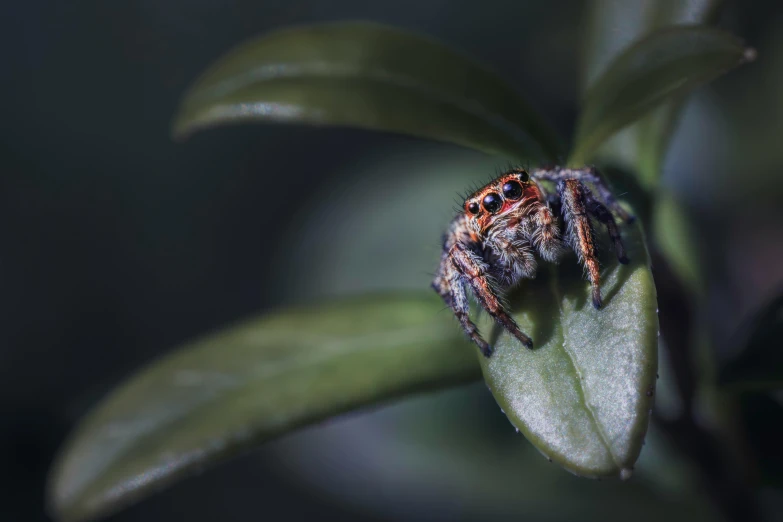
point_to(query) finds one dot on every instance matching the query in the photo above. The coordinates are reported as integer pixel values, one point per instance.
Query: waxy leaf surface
(584, 393)
(582, 396)
(230, 391)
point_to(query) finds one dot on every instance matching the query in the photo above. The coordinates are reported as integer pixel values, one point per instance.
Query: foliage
(583, 397)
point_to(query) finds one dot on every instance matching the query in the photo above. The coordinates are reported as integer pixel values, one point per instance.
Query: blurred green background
(120, 244)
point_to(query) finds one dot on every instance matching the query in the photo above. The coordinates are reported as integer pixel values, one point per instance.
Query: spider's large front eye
(473, 207)
(492, 202)
(512, 189)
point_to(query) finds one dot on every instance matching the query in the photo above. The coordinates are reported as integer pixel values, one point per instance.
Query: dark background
(118, 244)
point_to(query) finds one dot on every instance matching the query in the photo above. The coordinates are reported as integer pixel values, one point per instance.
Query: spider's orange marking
(530, 194)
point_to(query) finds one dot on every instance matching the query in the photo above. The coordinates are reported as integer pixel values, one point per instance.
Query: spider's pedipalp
(515, 258)
(544, 234)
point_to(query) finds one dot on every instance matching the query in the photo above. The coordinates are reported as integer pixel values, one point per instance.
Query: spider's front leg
(475, 273)
(448, 283)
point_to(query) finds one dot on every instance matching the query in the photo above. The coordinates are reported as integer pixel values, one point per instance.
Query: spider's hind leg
(603, 215)
(586, 175)
(592, 175)
(574, 200)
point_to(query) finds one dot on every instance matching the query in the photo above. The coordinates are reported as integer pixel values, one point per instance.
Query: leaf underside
(665, 65)
(369, 76)
(641, 146)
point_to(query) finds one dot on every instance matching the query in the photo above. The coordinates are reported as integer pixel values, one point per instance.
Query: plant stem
(725, 483)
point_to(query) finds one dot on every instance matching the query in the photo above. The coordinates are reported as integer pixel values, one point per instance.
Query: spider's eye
(473, 208)
(492, 202)
(523, 176)
(512, 189)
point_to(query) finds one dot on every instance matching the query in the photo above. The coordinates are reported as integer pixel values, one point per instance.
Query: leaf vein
(601, 435)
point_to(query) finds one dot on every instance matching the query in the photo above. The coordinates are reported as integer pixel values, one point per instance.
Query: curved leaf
(654, 132)
(369, 76)
(677, 238)
(584, 394)
(759, 366)
(664, 65)
(582, 397)
(232, 390)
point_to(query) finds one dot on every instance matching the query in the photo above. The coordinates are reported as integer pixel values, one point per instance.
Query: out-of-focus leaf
(763, 419)
(759, 365)
(614, 25)
(653, 133)
(433, 449)
(584, 394)
(641, 147)
(232, 390)
(756, 121)
(677, 239)
(369, 76)
(664, 65)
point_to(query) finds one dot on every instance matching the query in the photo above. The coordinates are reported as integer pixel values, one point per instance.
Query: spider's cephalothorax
(502, 229)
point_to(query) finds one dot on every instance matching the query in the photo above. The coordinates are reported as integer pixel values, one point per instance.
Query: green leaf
(614, 25)
(653, 135)
(759, 366)
(677, 238)
(654, 132)
(230, 391)
(369, 76)
(584, 394)
(662, 66)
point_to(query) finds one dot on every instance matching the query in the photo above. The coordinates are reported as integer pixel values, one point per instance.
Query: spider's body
(494, 242)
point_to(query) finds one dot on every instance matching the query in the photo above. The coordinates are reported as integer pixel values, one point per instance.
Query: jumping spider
(491, 244)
